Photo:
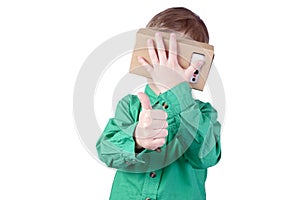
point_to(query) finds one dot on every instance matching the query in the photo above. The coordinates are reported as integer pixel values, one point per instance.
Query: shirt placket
(151, 184)
(153, 178)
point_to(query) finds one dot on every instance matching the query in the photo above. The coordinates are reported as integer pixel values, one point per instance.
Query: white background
(44, 43)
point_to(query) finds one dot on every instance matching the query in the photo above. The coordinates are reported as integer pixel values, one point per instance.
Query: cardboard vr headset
(188, 51)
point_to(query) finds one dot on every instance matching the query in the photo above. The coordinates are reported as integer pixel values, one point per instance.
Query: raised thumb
(145, 101)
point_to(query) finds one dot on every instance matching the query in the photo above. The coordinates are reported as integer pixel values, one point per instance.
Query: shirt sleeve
(197, 134)
(116, 146)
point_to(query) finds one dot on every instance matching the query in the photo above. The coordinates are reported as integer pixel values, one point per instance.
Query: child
(162, 141)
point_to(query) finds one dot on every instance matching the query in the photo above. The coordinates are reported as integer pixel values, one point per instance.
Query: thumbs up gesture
(151, 130)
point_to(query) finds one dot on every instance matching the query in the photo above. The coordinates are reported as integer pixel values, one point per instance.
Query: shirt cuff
(179, 97)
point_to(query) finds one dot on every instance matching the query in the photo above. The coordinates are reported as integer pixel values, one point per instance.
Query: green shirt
(179, 169)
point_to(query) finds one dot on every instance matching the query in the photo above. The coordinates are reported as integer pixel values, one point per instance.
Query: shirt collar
(151, 94)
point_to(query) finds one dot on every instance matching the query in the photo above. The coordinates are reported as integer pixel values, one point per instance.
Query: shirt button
(152, 174)
(164, 105)
(147, 199)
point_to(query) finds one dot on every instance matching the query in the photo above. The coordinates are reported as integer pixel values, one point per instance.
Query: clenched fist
(151, 130)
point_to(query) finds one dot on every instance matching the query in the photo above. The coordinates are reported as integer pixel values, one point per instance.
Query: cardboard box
(186, 49)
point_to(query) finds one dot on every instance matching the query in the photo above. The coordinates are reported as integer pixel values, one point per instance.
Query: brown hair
(182, 20)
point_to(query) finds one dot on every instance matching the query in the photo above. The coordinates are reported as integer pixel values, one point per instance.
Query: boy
(162, 141)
